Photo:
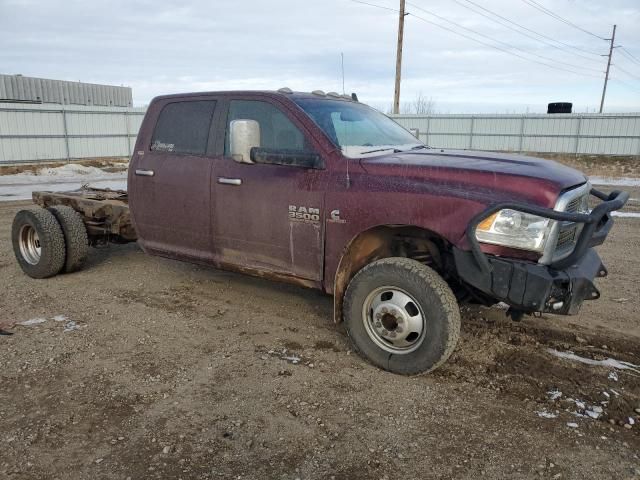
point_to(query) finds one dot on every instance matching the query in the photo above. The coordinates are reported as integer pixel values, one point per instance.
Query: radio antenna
(342, 64)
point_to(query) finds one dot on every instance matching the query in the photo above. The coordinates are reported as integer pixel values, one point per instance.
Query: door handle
(145, 173)
(229, 181)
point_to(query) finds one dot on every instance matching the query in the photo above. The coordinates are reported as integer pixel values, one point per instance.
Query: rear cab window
(183, 127)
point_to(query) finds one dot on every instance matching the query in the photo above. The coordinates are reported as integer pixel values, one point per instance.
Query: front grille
(566, 236)
(574, 205)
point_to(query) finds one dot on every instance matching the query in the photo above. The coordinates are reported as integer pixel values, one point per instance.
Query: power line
(480, 41)
(528, 30)
(628, 73)
(546, 11)
(377, 6)
(628, 85)
(628, 55)
(499, 41)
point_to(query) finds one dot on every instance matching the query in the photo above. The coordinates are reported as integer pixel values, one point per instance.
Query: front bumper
(532, 287)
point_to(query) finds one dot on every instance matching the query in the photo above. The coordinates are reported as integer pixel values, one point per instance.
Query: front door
(269, 217)
(171, 199)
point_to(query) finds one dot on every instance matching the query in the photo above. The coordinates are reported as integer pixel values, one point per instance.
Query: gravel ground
(150, 368)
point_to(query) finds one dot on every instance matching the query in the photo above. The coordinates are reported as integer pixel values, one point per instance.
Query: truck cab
(320, 190)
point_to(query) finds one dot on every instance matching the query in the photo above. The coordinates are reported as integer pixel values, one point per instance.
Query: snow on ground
(67, 177)
(616, 182)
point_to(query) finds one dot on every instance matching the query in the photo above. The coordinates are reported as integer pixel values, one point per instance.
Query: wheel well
(382, 242)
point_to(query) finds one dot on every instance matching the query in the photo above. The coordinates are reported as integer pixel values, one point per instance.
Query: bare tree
(422, 105)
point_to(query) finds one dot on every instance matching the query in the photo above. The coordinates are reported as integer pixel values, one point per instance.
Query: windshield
(357, 129)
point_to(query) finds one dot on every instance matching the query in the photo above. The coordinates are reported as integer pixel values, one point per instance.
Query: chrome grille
(574, 204)
(564, 235)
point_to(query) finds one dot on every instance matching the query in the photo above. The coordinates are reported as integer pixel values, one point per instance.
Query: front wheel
(402, 316)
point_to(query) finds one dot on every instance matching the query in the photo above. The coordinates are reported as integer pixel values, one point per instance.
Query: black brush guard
(559, 287)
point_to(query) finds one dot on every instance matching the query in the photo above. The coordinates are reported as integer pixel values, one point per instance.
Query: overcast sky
(166, 46)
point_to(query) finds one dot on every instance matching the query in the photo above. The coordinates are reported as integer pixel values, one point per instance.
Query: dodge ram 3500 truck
(320, 190)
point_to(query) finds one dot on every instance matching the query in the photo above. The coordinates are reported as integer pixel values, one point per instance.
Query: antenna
(342, 64)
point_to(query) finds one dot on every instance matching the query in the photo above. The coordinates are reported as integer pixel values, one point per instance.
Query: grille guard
(596, 225)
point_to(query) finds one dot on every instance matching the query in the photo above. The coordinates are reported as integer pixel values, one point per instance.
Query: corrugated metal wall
(597, 134)
(42, 90)
(42, 133)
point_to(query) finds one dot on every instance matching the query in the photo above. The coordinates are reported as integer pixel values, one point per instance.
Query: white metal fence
(597, 134)
(33, 132)
(47, 132)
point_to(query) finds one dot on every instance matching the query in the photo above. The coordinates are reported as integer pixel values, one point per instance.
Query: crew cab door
(268, 217)
(169, 180)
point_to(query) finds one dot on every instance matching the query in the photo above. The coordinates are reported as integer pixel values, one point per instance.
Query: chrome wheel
(394, 320)
(29, 243)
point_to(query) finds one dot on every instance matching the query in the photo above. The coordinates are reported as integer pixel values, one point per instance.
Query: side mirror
(243, 136)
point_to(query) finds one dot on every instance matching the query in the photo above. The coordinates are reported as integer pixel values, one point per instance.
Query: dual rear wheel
(49, 241)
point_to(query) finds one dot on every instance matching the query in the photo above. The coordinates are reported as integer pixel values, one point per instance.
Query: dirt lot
(161, 369)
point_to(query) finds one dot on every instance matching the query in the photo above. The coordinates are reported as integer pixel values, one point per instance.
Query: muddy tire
(75, 237)
(38, 242)
(401, 316)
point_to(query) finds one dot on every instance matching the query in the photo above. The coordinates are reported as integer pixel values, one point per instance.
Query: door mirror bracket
(292, 158)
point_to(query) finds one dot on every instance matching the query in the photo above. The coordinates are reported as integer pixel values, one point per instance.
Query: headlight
(515, 229)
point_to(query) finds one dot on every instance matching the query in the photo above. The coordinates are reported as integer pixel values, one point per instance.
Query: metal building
(19, 89)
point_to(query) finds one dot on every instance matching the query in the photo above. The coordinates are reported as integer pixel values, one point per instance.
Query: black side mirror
(292, 158)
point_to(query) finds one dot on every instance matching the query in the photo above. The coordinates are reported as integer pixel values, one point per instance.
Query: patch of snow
(554, 394)
(10, 193)
(615, 181)
(592, 414)
(545, 414)
(631, 421)
(626, 214)
(607, 362)
(33, 321)
(572, 425)
(67, 177)
(606, 394)
(70, 326)
(613, 375)
(293, 359)
(59, 318)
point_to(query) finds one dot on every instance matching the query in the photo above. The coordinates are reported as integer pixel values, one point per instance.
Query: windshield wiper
(395, 150)
(418, 147)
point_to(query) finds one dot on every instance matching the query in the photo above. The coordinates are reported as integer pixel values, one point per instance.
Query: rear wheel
(75, 236)
(38, 242)
(402, 316)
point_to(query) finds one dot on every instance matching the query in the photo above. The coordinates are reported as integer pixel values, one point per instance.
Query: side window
(276, 130)
(183, 128)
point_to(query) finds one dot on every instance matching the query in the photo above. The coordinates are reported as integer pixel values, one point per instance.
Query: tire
(420, 327)
(38, 242)
(75, 237)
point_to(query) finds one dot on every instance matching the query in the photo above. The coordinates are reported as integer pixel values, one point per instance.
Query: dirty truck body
(320, 190)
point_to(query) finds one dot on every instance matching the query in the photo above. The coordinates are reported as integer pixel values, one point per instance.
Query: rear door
(171, 201)
(269, 217)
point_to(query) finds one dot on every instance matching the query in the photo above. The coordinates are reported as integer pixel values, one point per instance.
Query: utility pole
(396, 93)
(606, 75)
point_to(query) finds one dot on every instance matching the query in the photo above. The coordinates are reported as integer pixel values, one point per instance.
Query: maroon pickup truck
(322, 191)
